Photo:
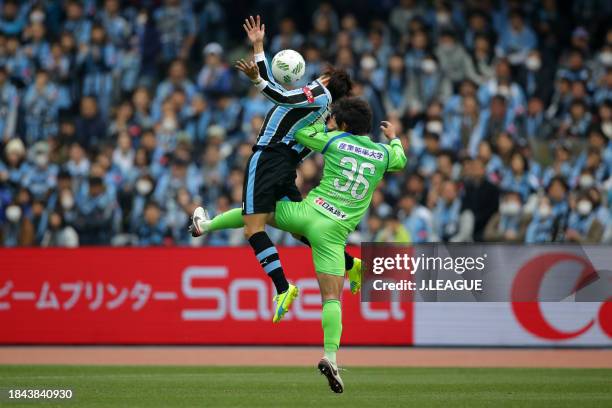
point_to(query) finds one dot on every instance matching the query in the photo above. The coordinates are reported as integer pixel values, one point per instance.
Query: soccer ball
(288, 67)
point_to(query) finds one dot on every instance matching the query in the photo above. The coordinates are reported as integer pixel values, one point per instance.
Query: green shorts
(327, 237)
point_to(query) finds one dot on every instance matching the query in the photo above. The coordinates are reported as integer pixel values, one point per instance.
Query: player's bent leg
(267, 255)
(352, 265)
(202, 224)
(331, 321)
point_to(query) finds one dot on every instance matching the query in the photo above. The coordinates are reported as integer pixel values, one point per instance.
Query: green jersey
(354, 165)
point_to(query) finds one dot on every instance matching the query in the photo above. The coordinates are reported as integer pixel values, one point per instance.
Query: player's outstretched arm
(397, 157)
(256, 32)
(315, 137)
(295, 98)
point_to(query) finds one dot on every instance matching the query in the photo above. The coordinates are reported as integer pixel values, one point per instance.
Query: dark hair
(95, 181)
(152, 204)
(557, 179)
(355, 113)
(339, 84)
(448, 153)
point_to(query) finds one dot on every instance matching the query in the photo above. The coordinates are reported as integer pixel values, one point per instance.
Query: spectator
(96, 210)
(18, 230)
(90, 128)
(561, 165)
(170, 182)
(583, 225)
(97, 60)
(123, 155)
(392, 231)
(503, 85)
(40, 176)
(478, 26)
(517, 177)
(12, 19)
(427, 84)
(177, 79)
(604, 93)
(151, 230)
(451, 222)
(455, 62)
(15, 168)
(176, 26)
(492, 162)
(482, 58)
(574, 68)
(491, 123)
(403, 13)
(536, 128)
(59, 234)
(550, 219)
(509, 224)
(76, 23)
(214, 79)
(37, 47)
(577, 122)
(42, 103)
(461, 127)
(417, 219)
(481, 197)
(517, 39)
(287, 38)
(427, 161)
(17, 64)
(535, 77)
(9, 102)
(419, 44)
(115, 25)
(396, 86)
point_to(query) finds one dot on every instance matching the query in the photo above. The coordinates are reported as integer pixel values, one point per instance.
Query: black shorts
(269, 177)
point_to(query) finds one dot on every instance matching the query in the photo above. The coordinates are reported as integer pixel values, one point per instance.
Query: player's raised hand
(249, 68)
(388, 130)
(254, 29)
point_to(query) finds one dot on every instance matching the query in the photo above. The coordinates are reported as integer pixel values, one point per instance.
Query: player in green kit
(354, 165)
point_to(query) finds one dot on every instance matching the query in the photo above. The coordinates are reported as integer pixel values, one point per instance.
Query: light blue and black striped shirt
(293, 109)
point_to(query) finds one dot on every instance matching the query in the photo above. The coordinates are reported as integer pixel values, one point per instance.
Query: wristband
(260, 83)
(260, 56)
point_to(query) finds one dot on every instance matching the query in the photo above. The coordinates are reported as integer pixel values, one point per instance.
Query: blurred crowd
(117, 118)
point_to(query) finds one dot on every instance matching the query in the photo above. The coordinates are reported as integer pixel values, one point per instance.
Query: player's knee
(254, 224)
(250, 230)
(330, 287)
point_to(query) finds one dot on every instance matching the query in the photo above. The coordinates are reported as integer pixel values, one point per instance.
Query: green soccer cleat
(284, 301)
(354, 275)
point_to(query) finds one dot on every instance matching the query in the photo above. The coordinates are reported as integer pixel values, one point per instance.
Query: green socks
(331, 320)
(226, 220)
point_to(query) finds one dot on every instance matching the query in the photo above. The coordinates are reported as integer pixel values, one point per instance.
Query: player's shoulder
(315, 86)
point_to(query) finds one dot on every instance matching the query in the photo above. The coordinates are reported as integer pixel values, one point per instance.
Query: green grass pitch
(109, 386)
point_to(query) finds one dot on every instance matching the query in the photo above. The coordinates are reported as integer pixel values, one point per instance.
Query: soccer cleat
(354, 275)
(329, 370)
(200, 216)
(284, 301)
